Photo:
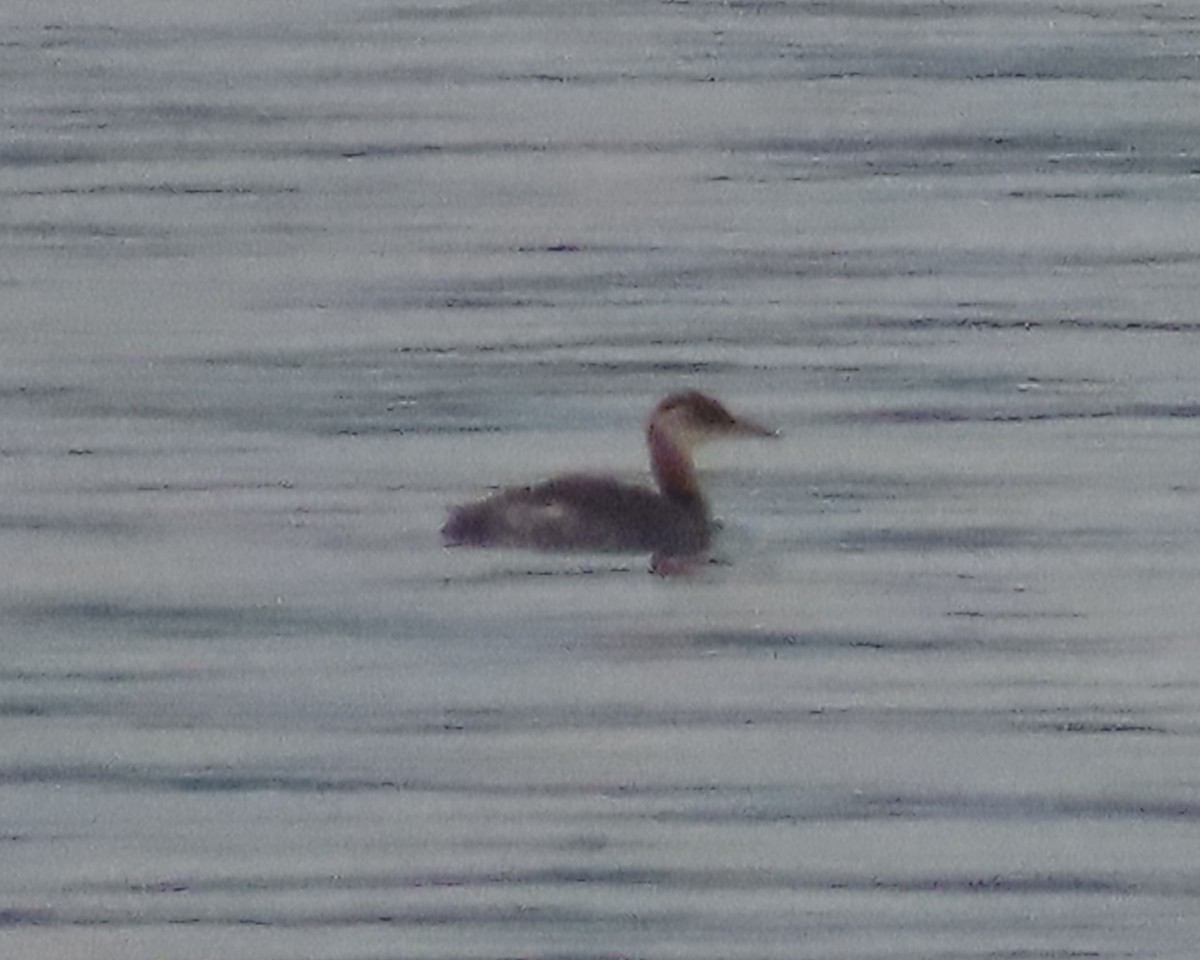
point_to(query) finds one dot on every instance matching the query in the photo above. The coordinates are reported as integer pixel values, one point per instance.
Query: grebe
(599, 513)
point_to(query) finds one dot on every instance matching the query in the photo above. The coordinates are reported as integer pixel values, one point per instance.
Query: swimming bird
(584, 512)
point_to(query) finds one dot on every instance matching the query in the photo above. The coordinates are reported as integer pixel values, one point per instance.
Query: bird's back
(586, 513)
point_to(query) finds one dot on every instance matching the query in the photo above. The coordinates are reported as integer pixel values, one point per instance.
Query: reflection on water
(278, 291)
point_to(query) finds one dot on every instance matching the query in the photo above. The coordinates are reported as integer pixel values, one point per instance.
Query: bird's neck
(672, 464)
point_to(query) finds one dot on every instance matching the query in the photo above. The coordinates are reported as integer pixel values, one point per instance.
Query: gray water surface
(281, 282)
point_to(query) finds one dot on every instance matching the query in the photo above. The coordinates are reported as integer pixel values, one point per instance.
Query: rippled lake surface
(281, 281)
